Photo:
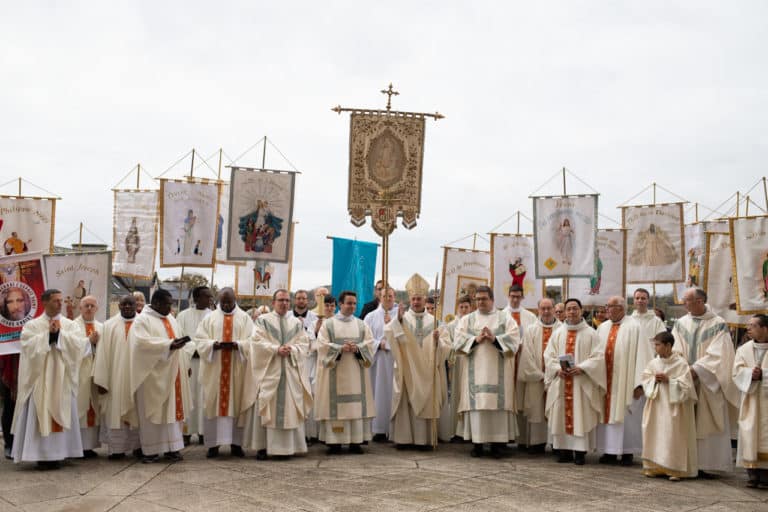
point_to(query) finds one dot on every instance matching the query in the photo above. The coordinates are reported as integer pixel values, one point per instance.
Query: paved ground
(382, 479)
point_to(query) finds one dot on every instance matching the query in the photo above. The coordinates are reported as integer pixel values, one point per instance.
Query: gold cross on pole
(389, 92)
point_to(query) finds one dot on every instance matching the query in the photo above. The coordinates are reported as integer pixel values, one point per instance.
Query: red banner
(21, 286)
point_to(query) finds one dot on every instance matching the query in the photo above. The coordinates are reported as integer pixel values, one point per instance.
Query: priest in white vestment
(449, 418)
(626, 356)
(382, 370)
(111, 376)
(750, 373)
(489, 341)
(157, 381)
(46, 425)
(704, 339)
(221, 339)
(575, 382)
(188, 321)
(278, 395)
(531, 373)
(88, 406)
(420, 384)
(310, 321)
(328, 303)
(669, 423)
(344, 405)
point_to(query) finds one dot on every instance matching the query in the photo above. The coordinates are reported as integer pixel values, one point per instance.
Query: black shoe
(457, 439)
(497, 450)
(138, 453)
(627, 459)
(334, 449)
(564, 456)
(47, 465)
(355, 449)
(116, 456)
(8, 453)
(200, 439)
(380, 438)
(149, 459)
(236, 451)
(173, 456)
(522, 447)
(537, 449)
(400, 446)
(608, 458)
(424, 447)
(261, 455)
(212, 453)
(187, 440)
(477, 450)
(89, 454)
(579, 458)
(706, 476)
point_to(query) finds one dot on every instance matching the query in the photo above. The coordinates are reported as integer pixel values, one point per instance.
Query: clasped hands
(349, 347)
(570, 372)
(485, 336)
(757, 373)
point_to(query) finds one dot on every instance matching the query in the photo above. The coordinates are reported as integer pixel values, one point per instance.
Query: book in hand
(567, 362)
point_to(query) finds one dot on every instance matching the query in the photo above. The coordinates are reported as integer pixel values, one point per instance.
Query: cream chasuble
(222, 373)
(752, 452)
(449, 419)
(111, 372)
(626, 356)
(650, 325)
(486, 404)
(46, 420)
(420, 385)
(382, 369)
(574, 405)
(669, 425)
(344, 402)
(280, 391)
(706, 342)
(531, 373)
(524, 319)
(188, 321)
(88, 406)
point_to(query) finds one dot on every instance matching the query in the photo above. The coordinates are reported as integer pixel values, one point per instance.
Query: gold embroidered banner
(385, 164)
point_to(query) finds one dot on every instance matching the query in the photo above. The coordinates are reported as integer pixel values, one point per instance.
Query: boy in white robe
(221, 340)
(669, 425)
(111, 376)
(750, 373)
(382, 370)
(344, 405)
(159, 383)
(87, 395)
(46, 425)
(575, 382)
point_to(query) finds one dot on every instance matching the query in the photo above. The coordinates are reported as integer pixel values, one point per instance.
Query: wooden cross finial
(389, 92)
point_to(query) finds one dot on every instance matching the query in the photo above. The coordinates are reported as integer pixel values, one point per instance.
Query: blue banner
(354, 268)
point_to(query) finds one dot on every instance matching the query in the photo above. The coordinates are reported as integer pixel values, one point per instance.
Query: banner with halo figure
(26, 224)
(188, 217)
(22, 282)
(512, 262)
(134, 233)
(609, 278)
(655, 249)
(78, 274)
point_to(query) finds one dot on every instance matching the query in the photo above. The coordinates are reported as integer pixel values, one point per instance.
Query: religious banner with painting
(260, 215)
(749, 252)
(134, 233)
(463, 271)
(22, 283)
(189, 212)
(512, 262)
(609, 279)
(565, 235)
(719, 279)
(261, 279)
(655, 247)
(26, 224)
(385, 163)
(78, 275)
(695, 242)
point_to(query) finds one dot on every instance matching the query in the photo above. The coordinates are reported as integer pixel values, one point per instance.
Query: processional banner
(695, 245)
(260, 279)
(463, 271)
(188, 214)
(655, 248)
(749, 252)
(260, 215)
(609, 279)
(222, 225)
(719, 278)
(22, 283)
(134, 233)
(26, 224)
(386, 154)
(80, 274)
(512, 262)
(354, 268)
(565, 235)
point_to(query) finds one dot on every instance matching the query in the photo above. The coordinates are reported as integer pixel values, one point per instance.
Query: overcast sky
(620, 93)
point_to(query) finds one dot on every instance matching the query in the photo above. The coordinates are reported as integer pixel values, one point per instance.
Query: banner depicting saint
(609, 279)
(134, 238)
(463, 271)
(512, 263)
(749, 252)
(655, 249)
(188, 214)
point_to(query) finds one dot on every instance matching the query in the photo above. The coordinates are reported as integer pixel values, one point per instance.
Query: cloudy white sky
(620, 93)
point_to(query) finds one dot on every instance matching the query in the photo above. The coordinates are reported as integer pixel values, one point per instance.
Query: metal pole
(738, 201)
(765, 193)
(696, 212)
(80, 239)
(518, 222)
(654, 295)
(384, 259)
(746, 208)
(564, 190)
(138, 175)
(192, 165)
(474, 241)
(654, 193)
(264, 154)
(19, 186)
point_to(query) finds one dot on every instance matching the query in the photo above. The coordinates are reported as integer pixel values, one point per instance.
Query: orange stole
(226, 367)
(610, 349)
(546, 333)
(179, 402)
(570, 348)
(91, 415)
(128, 325)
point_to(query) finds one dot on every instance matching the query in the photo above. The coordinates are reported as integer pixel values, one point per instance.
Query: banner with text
(78, 275)
(463, 271)
(26, 224)
(188, 217)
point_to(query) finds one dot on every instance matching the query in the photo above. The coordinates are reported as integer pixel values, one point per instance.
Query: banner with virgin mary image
(609, 279)
(655, 248)
(134, 239)
(188, 218)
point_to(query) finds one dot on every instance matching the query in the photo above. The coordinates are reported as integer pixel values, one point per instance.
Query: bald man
(90, 330)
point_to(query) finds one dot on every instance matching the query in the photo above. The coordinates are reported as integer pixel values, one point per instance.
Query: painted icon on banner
(609, 277)
(22, 282)
(26, 224)
(749, 253)
(655, 243)
(512, 263)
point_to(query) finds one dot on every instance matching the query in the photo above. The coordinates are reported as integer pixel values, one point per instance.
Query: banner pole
(19, 186)
(138, 175)
(564, 190)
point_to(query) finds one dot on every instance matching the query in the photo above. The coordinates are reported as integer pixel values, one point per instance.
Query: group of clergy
(144, 380)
